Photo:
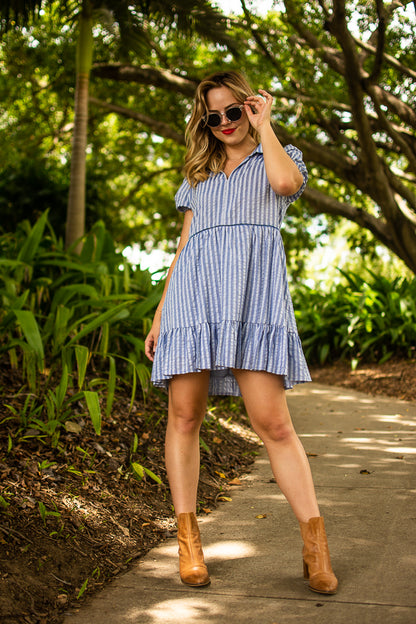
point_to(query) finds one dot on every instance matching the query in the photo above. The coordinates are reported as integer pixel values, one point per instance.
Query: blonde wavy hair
(205, 153)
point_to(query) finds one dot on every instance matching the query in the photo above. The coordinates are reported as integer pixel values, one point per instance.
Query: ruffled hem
(219, 347)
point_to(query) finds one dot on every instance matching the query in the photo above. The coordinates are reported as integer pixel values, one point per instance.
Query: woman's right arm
(152, 337)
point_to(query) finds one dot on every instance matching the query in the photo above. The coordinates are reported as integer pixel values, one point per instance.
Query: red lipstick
(228, 131)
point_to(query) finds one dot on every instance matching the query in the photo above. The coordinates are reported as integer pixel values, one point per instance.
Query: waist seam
(228, 225)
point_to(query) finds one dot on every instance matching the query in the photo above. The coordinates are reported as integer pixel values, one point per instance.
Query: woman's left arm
(283, 174)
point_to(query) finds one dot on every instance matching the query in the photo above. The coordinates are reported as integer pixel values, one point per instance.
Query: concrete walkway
(363, 457)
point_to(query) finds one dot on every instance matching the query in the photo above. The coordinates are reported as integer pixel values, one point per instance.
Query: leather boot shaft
(316, 561)
(192, 568)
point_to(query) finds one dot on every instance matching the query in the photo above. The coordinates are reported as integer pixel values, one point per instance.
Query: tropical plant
(366, 317)
(63, 316)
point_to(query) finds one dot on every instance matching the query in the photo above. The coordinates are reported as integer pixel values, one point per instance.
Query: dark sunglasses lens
(213, 120)
(234, 114)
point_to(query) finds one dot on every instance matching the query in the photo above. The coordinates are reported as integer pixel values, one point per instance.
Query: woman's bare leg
(187, 406)
(265, 401)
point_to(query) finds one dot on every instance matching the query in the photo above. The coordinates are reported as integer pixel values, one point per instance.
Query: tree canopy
(343, 79)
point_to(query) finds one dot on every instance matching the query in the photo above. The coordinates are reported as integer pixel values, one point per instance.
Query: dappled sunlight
(273, 497)
(230, 550)
(402, 449)
(397, 419)
(241, 430)
(177, 610)
(377, 444)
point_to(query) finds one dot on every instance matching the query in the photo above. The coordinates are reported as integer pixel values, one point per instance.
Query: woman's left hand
(262, 104)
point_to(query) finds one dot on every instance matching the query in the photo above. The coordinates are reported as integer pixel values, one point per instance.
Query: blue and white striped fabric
(228, 304)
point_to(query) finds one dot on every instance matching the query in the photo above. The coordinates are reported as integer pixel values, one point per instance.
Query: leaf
(138, 470)
(30, 329)
(118, 311)
(82, 354)
(32, 242)
(235, 481)
(261, 516)
(152, 475)
(82, 590)
(73, 427)
(94, 409)
(204, 445)
(221, 474)
(225, 499)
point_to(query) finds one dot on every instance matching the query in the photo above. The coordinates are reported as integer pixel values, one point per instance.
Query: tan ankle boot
(316, 562)
(192, 568)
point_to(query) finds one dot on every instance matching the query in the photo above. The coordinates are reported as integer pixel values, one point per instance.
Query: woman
(225, 322)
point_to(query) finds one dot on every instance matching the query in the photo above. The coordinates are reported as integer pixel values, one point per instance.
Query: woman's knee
(273, 429)
(186, 419)
(187, 401)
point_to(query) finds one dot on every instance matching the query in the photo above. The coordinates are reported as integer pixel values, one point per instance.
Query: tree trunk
(75, 222)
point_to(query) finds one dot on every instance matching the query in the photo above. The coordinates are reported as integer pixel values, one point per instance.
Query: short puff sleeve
(296, 155)
(183, 197)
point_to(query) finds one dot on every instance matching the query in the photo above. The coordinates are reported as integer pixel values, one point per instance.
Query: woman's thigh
(188, 395)
(264, 397)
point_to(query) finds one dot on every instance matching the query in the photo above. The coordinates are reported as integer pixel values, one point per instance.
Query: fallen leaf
(235, 481)
(365, 471)
(206, 510)
(217, 440)
(312, 454)
(221, 474)
(261, 516)
(73, 427)
(225, 499)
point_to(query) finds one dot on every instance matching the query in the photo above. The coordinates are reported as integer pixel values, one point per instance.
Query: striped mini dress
(228, 303)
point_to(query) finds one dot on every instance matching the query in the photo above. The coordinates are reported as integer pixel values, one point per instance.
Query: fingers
(150, 347)
(258, 109)
(260, 102)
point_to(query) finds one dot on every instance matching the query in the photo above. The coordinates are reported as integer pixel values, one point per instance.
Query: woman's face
(231, 133)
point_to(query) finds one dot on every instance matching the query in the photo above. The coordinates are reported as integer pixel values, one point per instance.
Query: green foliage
(64, 318)
(366, 317)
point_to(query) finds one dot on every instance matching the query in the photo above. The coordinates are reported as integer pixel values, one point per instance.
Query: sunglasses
(233, 113)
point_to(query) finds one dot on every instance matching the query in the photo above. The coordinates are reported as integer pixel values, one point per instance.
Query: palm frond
(185, 16)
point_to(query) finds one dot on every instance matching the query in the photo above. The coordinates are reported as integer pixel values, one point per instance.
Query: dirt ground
(395, 378)
(74, 516)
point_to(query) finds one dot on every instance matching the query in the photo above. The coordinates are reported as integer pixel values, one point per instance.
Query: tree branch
(387, 126)
(381, 36)
(145, 74)
(400, 240)
(158, 127)
(323, 203)
(391, 60)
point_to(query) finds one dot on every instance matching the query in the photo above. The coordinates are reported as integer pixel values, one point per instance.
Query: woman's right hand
(151, 340)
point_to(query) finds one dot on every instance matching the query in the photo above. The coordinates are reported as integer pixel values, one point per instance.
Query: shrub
(366, 317)
(62, 314)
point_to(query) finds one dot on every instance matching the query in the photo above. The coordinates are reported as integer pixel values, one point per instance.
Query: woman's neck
(239, 152)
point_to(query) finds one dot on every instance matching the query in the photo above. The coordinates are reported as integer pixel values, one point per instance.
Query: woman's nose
(224, 119)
